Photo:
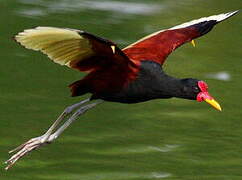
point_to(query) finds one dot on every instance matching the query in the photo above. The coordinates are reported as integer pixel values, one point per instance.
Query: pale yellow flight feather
(63, 46)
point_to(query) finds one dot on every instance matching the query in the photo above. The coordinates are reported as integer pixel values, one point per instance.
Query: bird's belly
(125, 99)
(131, 98)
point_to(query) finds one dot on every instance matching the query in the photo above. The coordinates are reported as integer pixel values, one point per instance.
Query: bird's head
(198, 90)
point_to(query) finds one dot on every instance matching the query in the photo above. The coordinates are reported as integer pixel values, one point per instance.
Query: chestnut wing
(157, 46)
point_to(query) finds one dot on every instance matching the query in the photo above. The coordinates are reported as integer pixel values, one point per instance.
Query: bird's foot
(27, 147)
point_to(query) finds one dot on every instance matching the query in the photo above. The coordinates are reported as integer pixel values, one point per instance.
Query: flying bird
(130, 75)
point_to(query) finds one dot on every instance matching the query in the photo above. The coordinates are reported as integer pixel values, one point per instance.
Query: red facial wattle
(203, 95)
(202, 85)
(204, 92)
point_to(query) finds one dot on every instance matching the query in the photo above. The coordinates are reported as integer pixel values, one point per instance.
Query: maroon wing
(157, 46)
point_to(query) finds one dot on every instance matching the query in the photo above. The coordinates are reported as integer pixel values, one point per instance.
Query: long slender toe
(25, 148)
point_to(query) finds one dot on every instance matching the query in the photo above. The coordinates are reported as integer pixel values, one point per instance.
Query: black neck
(170, 86)
(160, 84)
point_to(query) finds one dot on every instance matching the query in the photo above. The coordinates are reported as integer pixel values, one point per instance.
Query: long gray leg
(79, 112)
(66, 112)
(49, 136)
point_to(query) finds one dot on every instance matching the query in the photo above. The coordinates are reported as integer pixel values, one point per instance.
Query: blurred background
(161, 139)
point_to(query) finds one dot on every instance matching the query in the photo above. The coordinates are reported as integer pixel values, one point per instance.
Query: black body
(153, 83)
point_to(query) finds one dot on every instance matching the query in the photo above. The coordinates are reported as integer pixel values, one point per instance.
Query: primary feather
(61, 45)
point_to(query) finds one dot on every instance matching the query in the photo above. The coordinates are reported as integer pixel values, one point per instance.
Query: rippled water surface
(160, 139)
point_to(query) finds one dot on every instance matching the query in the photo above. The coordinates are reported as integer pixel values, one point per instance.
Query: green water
(161, 139)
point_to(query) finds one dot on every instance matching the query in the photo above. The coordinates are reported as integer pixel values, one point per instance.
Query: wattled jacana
(131, 75)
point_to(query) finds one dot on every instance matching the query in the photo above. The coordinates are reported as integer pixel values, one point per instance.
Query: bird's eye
(196, 89)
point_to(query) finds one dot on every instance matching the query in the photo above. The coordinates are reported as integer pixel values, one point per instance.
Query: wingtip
(228, 15)
(235, 12)
(232, 13)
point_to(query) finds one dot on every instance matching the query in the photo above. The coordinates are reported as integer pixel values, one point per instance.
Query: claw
(193, 43)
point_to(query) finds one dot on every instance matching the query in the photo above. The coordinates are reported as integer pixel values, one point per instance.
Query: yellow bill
(213, 103)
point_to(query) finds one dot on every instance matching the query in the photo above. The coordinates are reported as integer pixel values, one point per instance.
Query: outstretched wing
(157, 46)
(73, 48)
